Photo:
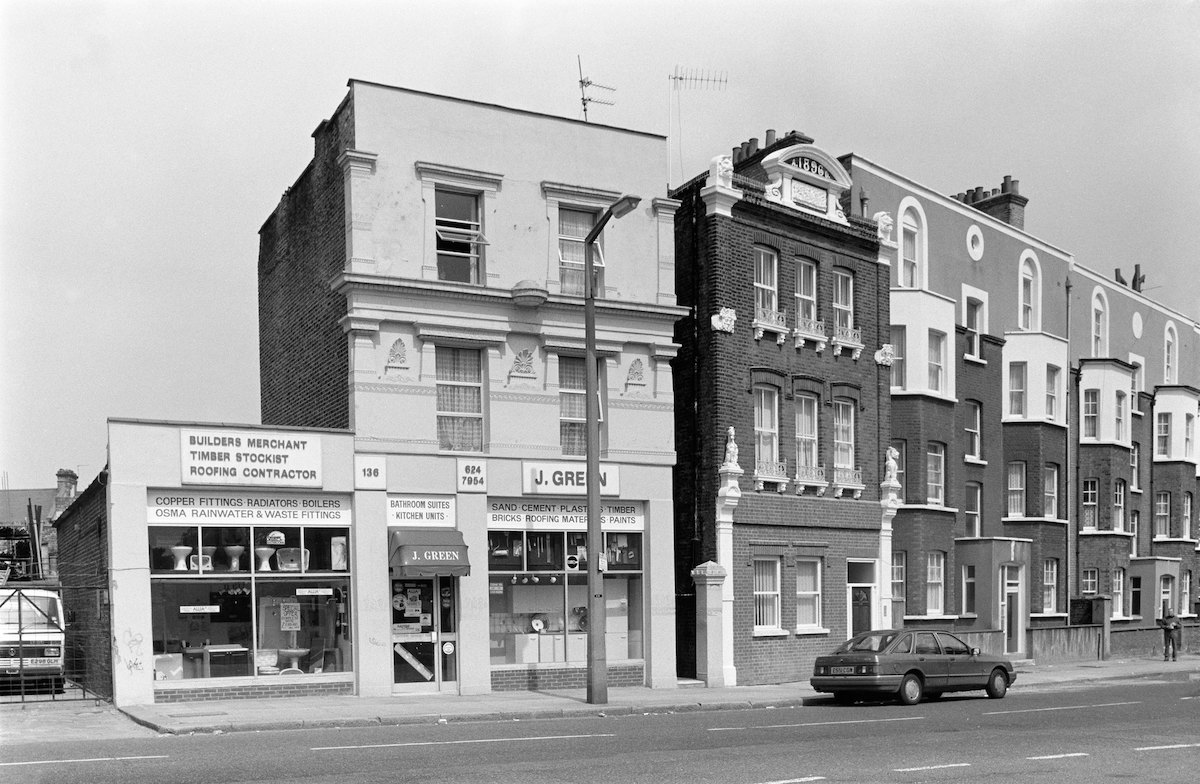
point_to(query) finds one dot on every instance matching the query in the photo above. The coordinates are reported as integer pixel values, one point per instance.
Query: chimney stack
(1004, 203)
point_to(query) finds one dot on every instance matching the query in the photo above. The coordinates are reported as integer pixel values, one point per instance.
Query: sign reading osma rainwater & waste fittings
(259, 458)
(539, 478)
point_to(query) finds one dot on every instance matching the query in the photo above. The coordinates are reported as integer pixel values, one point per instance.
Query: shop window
(233, 601)
(538, 596)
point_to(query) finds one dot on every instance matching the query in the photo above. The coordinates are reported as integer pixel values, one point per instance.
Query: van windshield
(19, 610)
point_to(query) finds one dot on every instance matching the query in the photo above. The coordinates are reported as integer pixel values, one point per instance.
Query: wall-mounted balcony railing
(848, 337)
(811, 476)
(848, 479)
(767, 320)
(770, 472)
(810, 329)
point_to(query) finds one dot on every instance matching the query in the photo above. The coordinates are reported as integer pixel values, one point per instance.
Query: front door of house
(860, 609)
(425, 634)
(1010, 609)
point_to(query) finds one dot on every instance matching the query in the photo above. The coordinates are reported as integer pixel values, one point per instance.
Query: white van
(32, 634)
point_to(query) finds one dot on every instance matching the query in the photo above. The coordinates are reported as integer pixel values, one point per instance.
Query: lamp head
(625, 205)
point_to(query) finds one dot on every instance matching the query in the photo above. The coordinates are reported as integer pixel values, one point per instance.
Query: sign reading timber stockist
(249, 457)
(537, 515)
(216, 506)
(566, 479)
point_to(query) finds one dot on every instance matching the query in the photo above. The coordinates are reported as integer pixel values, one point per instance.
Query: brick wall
(256, 691)
(547, 678)
(303, 351)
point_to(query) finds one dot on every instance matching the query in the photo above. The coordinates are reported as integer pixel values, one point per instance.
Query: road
(1141, 729)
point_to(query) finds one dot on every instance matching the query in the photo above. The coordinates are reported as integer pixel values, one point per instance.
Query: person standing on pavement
(1172, 634)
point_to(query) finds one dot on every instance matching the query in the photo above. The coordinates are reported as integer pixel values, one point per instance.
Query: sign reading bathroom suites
(539, 478)
(423, 510)
(215, 506)
(538, 515)
(249, 457)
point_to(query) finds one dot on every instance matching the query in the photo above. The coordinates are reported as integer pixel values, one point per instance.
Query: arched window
(1030, 315)
(1170, 354)
(912, 250)
(1099, 324)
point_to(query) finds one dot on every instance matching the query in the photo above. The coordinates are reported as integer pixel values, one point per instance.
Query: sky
(143, 144)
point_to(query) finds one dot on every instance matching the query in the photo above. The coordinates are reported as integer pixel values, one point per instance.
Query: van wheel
(997, 685)
(911, 689)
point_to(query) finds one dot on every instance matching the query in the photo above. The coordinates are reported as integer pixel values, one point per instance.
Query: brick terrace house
(1025, 393)
(782, 412)
(421, 284)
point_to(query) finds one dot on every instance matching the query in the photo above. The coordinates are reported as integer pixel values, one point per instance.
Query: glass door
(424, 633)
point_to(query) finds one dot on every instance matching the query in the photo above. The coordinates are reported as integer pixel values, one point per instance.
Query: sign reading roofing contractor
(249, 457)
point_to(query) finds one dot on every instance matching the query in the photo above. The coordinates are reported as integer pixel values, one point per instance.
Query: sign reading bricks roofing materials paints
(216, 506)
(538, 515)
(566, 479)
(249, 457)
(422, 510)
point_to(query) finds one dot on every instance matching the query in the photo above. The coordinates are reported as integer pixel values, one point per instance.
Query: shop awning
(429, 552)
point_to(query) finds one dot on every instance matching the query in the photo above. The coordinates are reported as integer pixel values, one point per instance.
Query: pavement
(64, 721)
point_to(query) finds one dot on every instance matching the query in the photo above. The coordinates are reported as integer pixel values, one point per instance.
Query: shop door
(425, 634)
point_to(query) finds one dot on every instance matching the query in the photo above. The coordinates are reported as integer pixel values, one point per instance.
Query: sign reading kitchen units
(249, 457)
(523, 513)
(566, 479)
(213, 506)
(422, 510)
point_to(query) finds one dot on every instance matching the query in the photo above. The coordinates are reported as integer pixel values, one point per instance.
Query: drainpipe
(1072, 471)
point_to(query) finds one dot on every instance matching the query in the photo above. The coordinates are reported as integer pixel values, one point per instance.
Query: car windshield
(876, 641)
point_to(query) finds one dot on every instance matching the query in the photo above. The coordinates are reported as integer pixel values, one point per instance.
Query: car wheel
(843, 697)
(911, 689)
(997, 685)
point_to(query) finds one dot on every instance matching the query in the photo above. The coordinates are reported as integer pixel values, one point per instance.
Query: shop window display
(249, 601)
(538, 597)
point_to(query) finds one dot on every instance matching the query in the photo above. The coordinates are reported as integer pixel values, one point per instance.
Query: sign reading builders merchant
(249, 457)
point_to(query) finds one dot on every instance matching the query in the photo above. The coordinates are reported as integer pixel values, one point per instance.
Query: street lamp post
(597, 678)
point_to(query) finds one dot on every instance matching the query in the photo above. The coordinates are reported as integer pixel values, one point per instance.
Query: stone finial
(891, 467)
(731, 449)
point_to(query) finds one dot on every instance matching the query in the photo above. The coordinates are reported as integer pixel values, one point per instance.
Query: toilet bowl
(234, 553)
(264, 558)
(181, 552)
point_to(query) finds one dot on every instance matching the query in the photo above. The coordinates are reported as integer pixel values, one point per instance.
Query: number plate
(841, 670)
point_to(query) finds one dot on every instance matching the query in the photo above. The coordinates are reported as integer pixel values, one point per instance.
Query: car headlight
(52, 652)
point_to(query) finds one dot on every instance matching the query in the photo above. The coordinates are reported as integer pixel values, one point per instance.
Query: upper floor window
(1118, 593)
(1050, 490)
(1029, 295)
(572, 404)
(1162, 515)
(766, 424)
(1118, 511)
(1090, 497)
(1135, 454)
(766, 280)
(1052, 375)
(1016, 389)
(1185, 531)
(843, 300)
(1016, 489)
(1170, 355)
(1099, 326)
(1189, 431)
(935, 583)
(937, 361)
(972, 510)
(460, 240)
(973, 429)
(910, 250)
(1091, 412)
(573, 228)
(843, 434)
(1162, 434)
(899, 349)
(935, 475)
(806, 290)
(974, 326)
(1119, 416)
(806, 431)
(459, 398)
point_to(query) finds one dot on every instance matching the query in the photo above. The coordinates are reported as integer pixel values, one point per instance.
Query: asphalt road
(1140, 729)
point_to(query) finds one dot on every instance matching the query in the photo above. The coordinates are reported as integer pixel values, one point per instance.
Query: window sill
(971, 460)
(1104, 532)
(968, 616)
(814, 631)
(931, 617)
(771, 631)
(974, 360)
(930, 508)
(1048, 615)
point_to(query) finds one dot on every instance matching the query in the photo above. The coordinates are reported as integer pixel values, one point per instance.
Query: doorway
(860, 585)
(1011, 616)
(425, 634)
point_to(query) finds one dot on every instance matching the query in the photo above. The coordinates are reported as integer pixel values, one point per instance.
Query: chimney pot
(770, 136)
(1006, 186)
(978, 192)
(1016, 187)
(737, 154)
(753, 144)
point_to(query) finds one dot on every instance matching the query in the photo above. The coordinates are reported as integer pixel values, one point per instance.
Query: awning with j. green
(428, 552)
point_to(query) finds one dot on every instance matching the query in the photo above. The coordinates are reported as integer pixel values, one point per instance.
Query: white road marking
(1189, 698)
(1175, 746)
(458, 742)
(813, 724)
(1058, 756)
(795, 781)
(89, 759)
(932, 767)
(1062, 708)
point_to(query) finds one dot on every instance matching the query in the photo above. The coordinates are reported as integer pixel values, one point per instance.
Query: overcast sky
(144, 144)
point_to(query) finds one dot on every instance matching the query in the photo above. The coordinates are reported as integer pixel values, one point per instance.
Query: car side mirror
(975, 651)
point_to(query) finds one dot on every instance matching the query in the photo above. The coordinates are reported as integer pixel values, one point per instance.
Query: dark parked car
(909, 663)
